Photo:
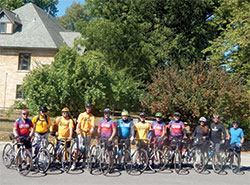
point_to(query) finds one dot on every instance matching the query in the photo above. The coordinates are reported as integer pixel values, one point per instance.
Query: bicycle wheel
(43, 160)
(198, 161)
(140, 160)
(52, 152)
(235, 162)
(157, 161)
(217, 163)
(66, 160)
(24, 167)
(104, 162)
(126, 161)
(178, 162)
(8, 155)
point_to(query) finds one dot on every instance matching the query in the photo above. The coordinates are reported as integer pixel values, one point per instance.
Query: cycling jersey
(236, 135)
(157, 129)
(176, 128)
(142, 130)
(23, 127)
(216, 130)
(106, 127)
(64, 125)
(86, 122)
(125, 128)
(40, 124)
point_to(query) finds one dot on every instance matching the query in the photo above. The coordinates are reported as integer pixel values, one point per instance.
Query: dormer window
(3, 27)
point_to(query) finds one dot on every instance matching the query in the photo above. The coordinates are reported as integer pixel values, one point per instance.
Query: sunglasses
(25, 114)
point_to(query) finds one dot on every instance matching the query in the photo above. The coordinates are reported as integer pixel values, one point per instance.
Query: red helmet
(25, 111)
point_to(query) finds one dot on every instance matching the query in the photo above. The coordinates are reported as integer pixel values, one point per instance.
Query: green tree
(232, 46)
(47, 5)
(74, 13)
(138, 34)
(74, 80)
(199, 90)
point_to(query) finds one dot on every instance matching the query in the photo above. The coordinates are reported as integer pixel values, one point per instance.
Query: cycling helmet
(203, 119)
(177, 114)
(216, 116)
(88, 105)
(124, 113)
(66, 109)
(142, 114)
(107, 111)
(43, 108)
(158, 115)
(235, 121)
(25, 111)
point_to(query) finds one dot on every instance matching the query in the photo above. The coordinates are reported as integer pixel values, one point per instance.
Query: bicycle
(84, 153)
(9, 152)
(214, 157)
(22, 157)
(138, 160)
(156, 157)
(41, 156)
(100, 157)
(174, 155)
(232, 156)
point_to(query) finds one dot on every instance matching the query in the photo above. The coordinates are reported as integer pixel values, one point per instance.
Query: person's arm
(15, 132)
(164, 131)
(194, 133)
(132, 131)
(184, 131)
(224, 131)
(92, 125)
(56, 126)
(31, 130)
(242, 138)
(149, 131)
(50, 126)
(113, 132)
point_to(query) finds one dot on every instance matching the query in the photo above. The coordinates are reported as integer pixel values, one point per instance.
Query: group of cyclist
(39, 128)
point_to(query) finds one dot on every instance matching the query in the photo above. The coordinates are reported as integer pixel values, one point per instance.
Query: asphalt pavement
(57, 177)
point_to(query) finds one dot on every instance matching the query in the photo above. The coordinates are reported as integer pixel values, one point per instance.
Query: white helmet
(203, 119)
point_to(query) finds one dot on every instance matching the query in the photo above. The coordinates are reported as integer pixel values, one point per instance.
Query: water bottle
(82, 149)
(210, 153)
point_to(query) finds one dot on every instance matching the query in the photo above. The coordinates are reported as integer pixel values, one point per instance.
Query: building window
(19, 92)
(24, 61)
(3, 28)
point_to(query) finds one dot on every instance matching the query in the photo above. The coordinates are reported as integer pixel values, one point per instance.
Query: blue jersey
(124, 128)
(236, 135)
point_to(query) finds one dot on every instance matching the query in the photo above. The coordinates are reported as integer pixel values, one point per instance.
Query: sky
(63, 4)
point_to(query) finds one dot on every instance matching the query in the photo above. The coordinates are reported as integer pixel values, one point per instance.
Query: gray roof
(14, 18)
(38, 30)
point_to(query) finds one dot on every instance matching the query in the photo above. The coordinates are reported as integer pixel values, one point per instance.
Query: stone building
(28, 36)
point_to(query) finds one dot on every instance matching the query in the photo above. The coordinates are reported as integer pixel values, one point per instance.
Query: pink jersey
(157, 129)
(22, 127)
(106, 127)
(176, 128)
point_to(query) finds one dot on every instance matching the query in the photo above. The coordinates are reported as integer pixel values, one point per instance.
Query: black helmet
(88, 105)
(43, 108)
(235, 121)
(142, 114)
(177, 114)
(107, 111)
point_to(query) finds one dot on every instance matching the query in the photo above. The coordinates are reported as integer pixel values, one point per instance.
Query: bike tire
(178, 165)
(140, 160)
(235, 163)
(104, 162)
(66, 160)
(8, 155)
(24, 168)
(198, 161)
(157, 161)
(52, 152)
(43, 160)
(217, 163)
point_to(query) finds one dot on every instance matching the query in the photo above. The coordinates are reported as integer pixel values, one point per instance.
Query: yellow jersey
(85, 122)
(142, 130)
(64, 125)
(40, 124)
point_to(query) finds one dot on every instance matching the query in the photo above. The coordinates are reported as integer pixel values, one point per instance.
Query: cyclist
(107, 130)
(177, 129)
(125, 130)
(42, 125)
(158, 129)
(201, 134)
(85, 124)
(23, 127)
(64, 126)
(216, 131)
(143, 130)
(236, 136)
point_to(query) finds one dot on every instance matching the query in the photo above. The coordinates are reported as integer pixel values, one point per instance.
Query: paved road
(55, 177)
